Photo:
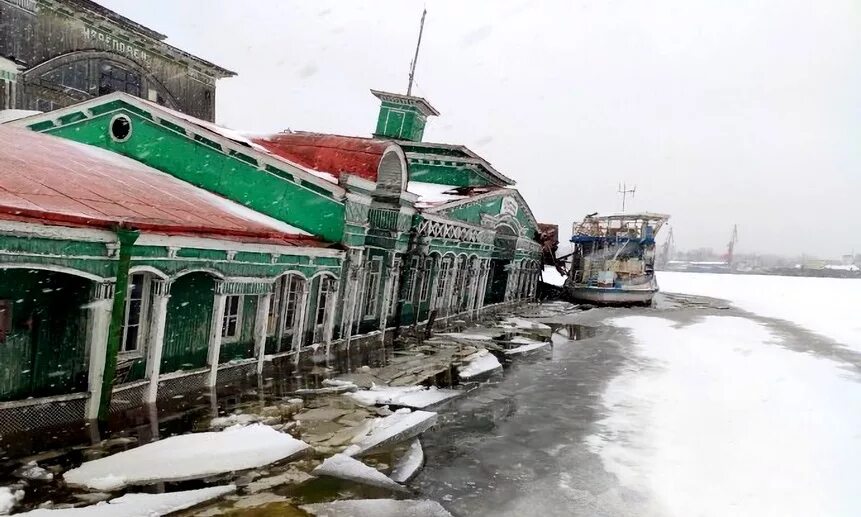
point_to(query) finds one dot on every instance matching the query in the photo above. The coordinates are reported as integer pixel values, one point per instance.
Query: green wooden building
(295, 239)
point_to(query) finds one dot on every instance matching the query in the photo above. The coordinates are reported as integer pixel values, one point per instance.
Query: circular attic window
(121, 128)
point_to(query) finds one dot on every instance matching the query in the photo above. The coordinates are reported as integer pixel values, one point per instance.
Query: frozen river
(690, 408)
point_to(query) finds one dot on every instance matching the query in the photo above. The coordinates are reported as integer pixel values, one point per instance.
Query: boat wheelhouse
(613, 261)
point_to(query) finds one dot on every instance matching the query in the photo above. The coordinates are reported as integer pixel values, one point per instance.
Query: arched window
(392, 172)
(284, 308)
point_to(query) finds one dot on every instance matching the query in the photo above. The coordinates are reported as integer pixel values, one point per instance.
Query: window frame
(143, 317)
(225, 318)
(372, 288)
(441, 281)
(325, 285)
(291, 303)
(424, 291)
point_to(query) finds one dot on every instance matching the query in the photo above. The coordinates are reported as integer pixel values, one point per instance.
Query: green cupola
(402, 117)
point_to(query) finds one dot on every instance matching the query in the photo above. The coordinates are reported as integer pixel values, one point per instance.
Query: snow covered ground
(722, 420)
(826, 306)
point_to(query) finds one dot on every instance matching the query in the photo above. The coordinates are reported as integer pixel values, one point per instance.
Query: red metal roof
(51, 180)
(333, 154)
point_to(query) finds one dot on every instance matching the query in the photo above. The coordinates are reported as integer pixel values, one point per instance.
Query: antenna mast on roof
(416, 58)
(624, 190)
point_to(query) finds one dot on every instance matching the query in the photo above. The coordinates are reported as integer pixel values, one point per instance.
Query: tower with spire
(403, 117)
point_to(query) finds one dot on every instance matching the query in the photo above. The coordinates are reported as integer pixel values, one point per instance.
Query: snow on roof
(10, 115)
(331, 155)
(227, 133)
(58, 181)
(431, 194)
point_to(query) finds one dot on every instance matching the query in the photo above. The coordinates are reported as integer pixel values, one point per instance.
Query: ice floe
(33, 472)
(140, 505)
(342, 466)
(463, 335)
(9, 498)
(377, 508)
(826, 306)
(523, 324)
(726, 421)
(231, 420)
(188, 456)
(416, 397)
(395, 428)
(409, 464)
(479, 363)
(526, 345)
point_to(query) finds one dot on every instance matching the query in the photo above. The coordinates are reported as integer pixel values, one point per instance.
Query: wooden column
(215, 334)
(432, 284)
(449, 286)
(282, 310)
(353, 297)
(160, 290)
(300, 315)
(388, 293)
(101, 307)
(261, 328)
(329, 318)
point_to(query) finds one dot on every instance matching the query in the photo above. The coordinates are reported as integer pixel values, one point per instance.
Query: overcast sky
(720, 112)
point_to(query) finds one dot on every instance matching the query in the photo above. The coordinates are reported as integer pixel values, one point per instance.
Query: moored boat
(613, 262)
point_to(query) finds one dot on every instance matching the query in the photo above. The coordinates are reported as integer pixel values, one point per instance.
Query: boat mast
(623, 189)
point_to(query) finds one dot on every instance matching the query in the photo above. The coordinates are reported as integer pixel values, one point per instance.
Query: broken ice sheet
(526, 345)
(140, 505)
(409, 464)
(479, 363)
(520, 323)
(342, 466)
(388, 431)
(416, 397)
(188, 456)
(377, 508)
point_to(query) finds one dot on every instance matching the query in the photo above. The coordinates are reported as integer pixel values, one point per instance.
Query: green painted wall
(400, 122)
(458, 175)
(207, 167)
(45, 352)
(189, 314)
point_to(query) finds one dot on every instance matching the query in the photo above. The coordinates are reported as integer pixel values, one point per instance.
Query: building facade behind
(55, 53)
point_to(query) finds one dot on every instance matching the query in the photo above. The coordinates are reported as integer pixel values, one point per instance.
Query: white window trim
(413, 277)
(274, 316)
(240, 305)
(319, 328)
(424, 291)
(395, 289)
(143, 320)
(370, 313)
(289, 329)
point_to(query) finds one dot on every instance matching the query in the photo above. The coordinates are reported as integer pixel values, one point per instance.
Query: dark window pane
(132, 339)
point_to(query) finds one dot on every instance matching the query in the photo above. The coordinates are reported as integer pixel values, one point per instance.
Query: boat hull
(612, 295)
